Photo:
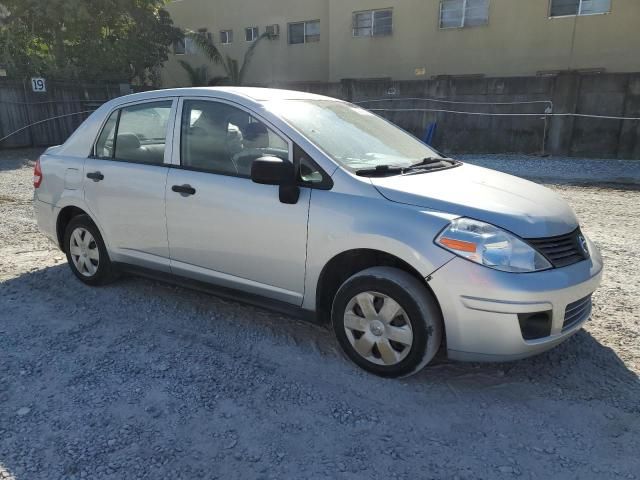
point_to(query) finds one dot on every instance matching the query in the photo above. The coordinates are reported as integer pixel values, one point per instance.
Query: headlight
(491, 246)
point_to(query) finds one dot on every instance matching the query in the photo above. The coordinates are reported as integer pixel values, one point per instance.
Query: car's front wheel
(86, 252)
(387, 321)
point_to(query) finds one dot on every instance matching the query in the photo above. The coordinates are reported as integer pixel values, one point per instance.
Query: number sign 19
(38, 85)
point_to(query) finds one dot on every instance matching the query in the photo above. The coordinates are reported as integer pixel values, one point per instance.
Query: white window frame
(229, 37)
(579, 14)
(304, 36)
(372, 27)
(464, 17)
(255, 33)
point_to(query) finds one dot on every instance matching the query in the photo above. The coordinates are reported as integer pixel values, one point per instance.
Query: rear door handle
(184, 190)
(95, 176)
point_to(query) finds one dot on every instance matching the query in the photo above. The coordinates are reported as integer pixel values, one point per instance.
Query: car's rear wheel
(86, 252)
(387, 322)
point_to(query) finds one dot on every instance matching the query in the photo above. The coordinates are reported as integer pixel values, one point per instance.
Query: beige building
(331, 40)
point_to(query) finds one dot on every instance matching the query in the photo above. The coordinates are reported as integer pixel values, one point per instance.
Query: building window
(226, 37)
(463, 13)
(190, 46)
(373, 23)
(251, 34)
(563, 8)
(179, 46)
(304, 32)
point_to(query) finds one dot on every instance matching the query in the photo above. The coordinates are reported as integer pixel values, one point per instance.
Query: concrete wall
(520, 39)
(603, 94)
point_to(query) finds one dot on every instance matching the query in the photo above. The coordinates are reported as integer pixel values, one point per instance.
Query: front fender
(339, 222)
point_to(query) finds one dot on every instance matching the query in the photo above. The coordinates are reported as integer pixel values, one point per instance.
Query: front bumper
(480, 306)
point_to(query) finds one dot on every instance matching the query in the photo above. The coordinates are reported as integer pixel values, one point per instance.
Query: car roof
(252, 94)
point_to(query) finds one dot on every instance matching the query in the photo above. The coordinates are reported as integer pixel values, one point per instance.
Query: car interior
(222, 139)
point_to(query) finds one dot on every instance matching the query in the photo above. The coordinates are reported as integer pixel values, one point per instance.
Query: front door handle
(184, 190)
(95, 176)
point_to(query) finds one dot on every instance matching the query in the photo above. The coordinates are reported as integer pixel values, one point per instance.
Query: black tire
(417, 302)
(105, 272)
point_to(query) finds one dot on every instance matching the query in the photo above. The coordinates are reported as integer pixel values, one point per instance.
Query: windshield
(352, 136)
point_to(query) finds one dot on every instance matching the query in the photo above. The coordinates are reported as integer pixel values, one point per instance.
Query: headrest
(254, 130)
(127, 141)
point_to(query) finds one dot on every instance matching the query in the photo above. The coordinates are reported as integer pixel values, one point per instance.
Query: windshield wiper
(379, 171)
(424, 165)
(431, 163)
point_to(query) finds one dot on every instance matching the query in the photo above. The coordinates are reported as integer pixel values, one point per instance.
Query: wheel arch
(64, 217)
(347, 263)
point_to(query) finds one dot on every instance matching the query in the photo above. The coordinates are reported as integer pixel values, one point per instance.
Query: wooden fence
(62, 102)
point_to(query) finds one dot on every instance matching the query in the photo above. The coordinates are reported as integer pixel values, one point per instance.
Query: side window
(309, 173)
(219, 138)
(142, 132)
(104, 146)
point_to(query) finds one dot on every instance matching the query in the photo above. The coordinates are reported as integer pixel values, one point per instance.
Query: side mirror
(271, 170)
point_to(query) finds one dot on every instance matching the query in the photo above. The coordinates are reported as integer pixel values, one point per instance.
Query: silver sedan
(312, 205)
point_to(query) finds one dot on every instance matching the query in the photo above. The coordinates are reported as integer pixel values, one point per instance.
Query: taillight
(37, 175)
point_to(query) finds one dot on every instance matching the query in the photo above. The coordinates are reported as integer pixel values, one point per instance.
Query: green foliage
(86, 40)
(197, 76)
(234, 73)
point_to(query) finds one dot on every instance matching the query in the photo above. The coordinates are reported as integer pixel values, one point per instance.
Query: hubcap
(378, 328)
(84, 252)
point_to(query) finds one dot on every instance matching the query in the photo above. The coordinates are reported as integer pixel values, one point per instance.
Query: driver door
(222, 227)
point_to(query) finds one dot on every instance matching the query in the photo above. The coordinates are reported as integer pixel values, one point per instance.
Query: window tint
(219, 138)
(142, 132)
(372, 22)
(226, 37)
(312, 31)
(463, 13)
(179, 46)
(251, 34)
(296, 33)
(304, 32)
(104, 146)
(561, 8)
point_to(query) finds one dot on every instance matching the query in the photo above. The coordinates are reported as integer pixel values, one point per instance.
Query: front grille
(562, 250)
(576, 312)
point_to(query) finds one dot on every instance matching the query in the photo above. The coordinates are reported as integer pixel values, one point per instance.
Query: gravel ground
(564, 170)
(144, 380)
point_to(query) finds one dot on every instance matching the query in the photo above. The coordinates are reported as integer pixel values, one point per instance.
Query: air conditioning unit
(273, 30)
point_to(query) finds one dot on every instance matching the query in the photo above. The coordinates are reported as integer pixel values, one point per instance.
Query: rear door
(222, 227)
(126, 180)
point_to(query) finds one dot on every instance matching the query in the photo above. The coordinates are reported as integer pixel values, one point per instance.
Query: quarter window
(304, 32)
(226, 37)
(219, 138)
(463, 13)
(251, 34)
(561, 8)
(373, 23)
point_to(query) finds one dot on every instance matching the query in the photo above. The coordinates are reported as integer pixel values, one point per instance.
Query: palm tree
(197, 76)
(234, 73)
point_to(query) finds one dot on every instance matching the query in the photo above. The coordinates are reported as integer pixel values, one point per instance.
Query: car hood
(520, 206)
